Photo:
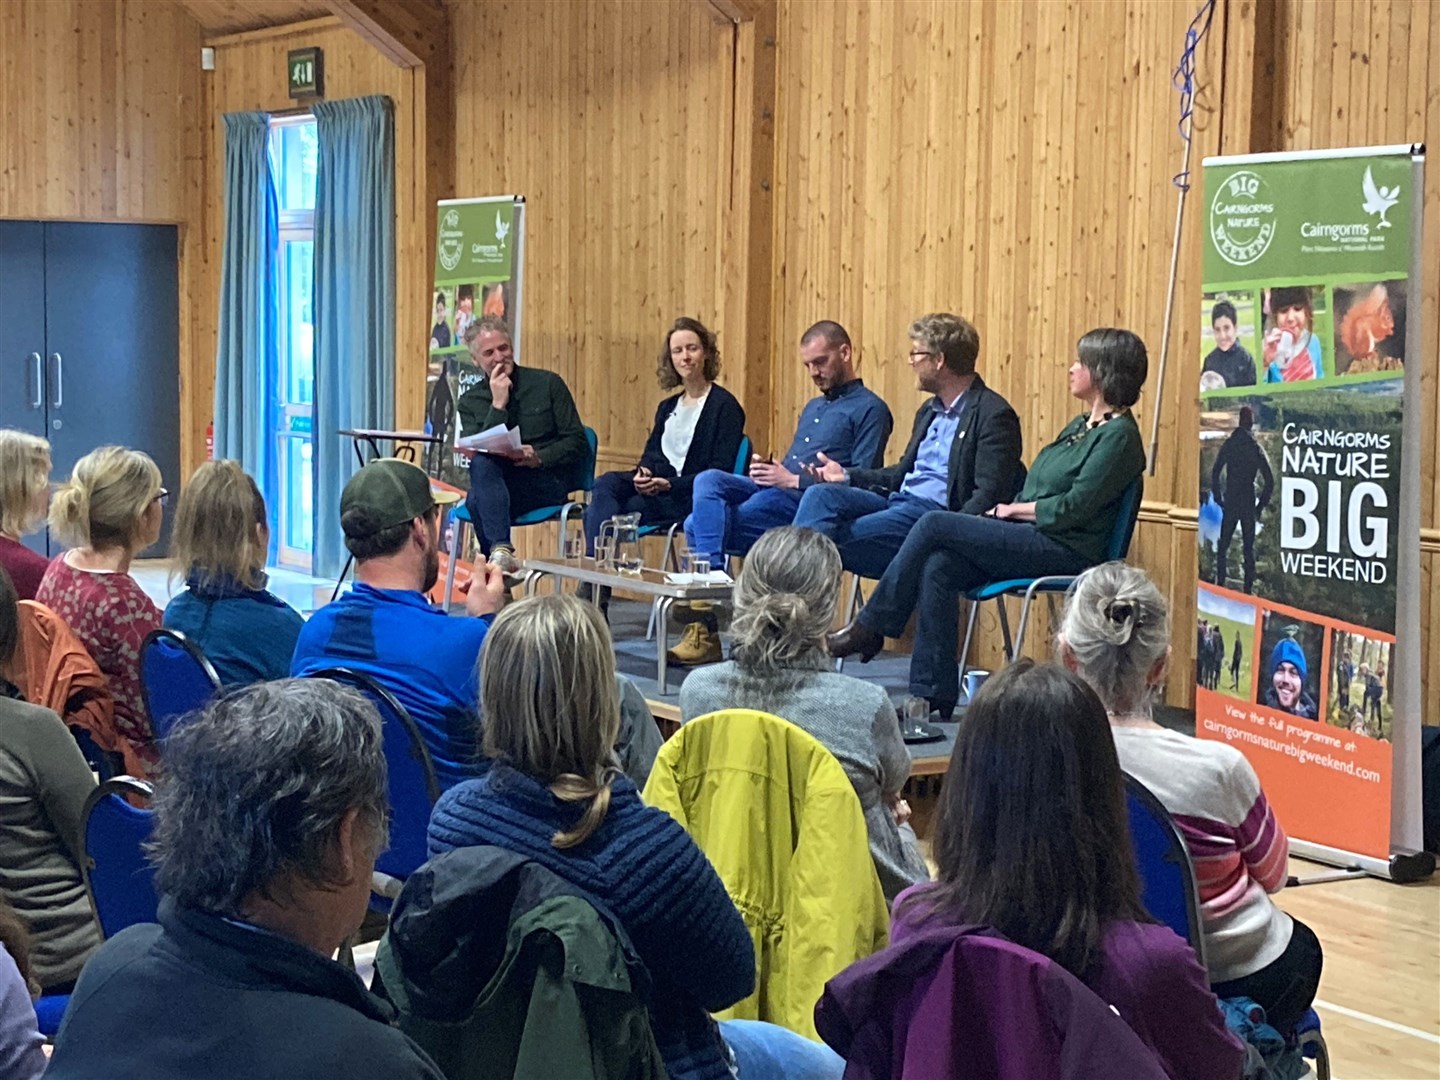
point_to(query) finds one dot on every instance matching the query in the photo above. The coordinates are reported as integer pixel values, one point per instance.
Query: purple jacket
(953, 1001)
(1145, 973)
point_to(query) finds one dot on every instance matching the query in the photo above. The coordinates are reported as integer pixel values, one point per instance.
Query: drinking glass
(697, 566)
(574, 548)
(602, 552)
(917, 712)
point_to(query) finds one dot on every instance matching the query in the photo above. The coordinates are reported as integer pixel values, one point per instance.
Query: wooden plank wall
(614, 120)
(100, 121)
(250, 75)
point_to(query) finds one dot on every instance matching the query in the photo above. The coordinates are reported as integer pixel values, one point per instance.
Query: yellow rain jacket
(776, 815)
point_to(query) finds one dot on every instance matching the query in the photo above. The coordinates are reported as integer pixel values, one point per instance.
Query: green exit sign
(306, 69)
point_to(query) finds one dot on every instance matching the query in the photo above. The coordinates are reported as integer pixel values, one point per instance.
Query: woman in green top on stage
(1061, 523)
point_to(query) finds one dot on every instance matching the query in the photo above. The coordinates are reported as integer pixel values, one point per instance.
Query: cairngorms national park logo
(1242, 218)
(502, 229)
(452, 240)
(1378, 200)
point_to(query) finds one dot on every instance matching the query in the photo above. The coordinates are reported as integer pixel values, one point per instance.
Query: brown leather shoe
(852, 639)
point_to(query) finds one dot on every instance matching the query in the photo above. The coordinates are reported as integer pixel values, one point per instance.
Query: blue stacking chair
(1028, 588)
(49, 1011)
(1167, 876)
(668, 560)
(413, 788)
(118, 876)
(582, 479)
(176, 678)
(1169, 893)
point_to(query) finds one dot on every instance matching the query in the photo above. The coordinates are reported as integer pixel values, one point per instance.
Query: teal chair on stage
(583, 480)
(1029, 588)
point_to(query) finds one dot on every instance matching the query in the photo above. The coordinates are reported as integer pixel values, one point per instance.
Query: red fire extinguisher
(210, 441)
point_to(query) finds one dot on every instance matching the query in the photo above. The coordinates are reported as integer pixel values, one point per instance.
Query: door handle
(58, 386)
(39, 372)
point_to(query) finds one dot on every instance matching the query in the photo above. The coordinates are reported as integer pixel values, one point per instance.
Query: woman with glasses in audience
(549, 718)
(24, 497)
(109, 511)
(222, 536)
(1115, 634)
(1032, 842)
(1062, 522)
(785, 601)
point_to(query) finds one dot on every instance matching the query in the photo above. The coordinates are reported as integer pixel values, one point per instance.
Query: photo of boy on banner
(1290, 651)
(1228, 340)
(1359, 699)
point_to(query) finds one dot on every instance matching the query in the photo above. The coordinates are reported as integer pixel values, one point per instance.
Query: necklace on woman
(1132, 719)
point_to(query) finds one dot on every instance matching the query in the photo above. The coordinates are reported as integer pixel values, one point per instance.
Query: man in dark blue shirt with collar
(964, 455)
(387, 629)
(846, 423)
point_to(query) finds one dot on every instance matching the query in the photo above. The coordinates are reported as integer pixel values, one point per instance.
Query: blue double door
(90, 343)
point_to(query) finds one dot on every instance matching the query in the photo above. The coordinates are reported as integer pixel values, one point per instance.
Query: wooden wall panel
(101, 121)
(615, 123)
(250, 75)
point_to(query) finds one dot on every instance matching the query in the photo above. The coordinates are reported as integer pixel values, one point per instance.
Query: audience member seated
(44, 780)
(785, 600)
(1116, 634)
(848, 423)
(221, 539)
(697, 429)
(385, 627)
(268, 817)
(555, 795)
(24, 497)
(1062, 523)
(1032, 841)
(964, 455)
(109, 510)
(552, 438)
(22, 1056)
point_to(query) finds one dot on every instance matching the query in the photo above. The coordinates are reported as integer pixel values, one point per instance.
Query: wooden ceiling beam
(412, 33)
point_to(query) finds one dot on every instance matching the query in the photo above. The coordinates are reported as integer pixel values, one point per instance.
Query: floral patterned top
(111, 615)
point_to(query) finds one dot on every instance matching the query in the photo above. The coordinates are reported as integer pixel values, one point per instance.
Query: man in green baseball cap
(385, 626)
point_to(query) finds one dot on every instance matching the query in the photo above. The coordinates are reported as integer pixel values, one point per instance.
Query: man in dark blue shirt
(847, 423)
(386, 628)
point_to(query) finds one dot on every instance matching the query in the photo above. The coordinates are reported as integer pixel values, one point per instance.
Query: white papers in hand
(496, 440)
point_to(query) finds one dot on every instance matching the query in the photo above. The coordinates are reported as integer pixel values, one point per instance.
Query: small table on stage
(373, 437)
(650, 583)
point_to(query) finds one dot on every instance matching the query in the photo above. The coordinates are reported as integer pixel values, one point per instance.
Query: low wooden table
(647, 582)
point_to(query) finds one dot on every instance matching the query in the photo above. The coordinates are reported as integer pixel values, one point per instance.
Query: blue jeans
(866, 526)
(947, 554)
(501, 491)
(770, 1052)
(729, 513)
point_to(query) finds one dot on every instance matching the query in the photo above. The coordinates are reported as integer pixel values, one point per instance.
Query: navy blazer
(985, 465)
(717, 440)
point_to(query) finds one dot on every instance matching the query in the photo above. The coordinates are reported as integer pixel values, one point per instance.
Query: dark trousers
(1286, 986)
(1244, 517)
(866, 526)
(501, 491)
(945, 555)
(615, 494)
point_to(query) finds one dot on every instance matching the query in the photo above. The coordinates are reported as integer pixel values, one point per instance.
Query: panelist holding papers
(524, 421)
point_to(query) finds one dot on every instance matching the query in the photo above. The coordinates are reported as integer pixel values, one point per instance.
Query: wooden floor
(1379, 1000)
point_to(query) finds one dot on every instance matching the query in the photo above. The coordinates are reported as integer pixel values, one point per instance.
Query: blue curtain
(354, 298)
(249, 304)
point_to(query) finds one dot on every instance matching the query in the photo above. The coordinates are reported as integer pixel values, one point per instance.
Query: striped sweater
(1238, 848)
(643, 868)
